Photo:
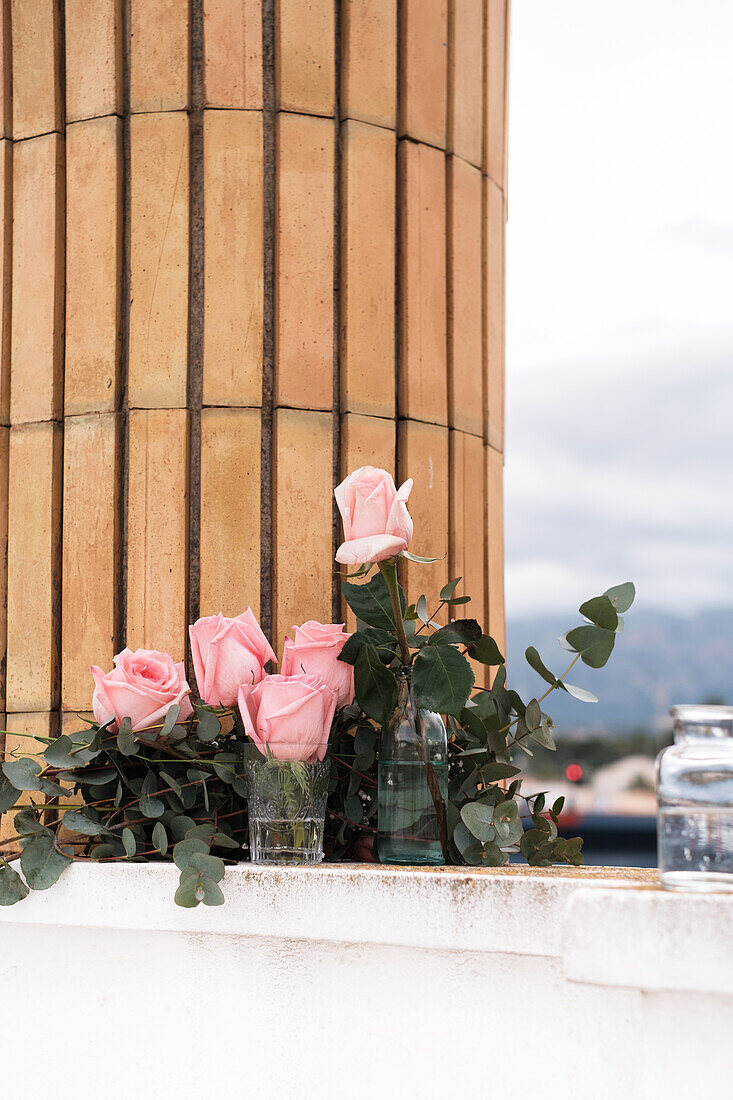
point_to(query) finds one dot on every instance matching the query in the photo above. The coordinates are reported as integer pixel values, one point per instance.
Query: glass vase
(287, 808)
(695, 799)
(413, 785)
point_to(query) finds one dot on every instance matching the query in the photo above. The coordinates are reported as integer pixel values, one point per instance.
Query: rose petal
(373, 548)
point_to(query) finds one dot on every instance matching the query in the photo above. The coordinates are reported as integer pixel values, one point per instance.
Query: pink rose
(142, 686)
(376, 522)
(314, 650)
(227, 653)
(291, 715)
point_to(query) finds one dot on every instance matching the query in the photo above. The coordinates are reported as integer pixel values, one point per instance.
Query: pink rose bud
(290, 715)
(376, 522)
(142, 686)
(227, 653)
(314, 651)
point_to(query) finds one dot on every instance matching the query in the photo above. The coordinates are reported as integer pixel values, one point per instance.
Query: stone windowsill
(609, 926)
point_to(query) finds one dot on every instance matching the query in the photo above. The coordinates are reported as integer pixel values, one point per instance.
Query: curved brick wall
(246, 245)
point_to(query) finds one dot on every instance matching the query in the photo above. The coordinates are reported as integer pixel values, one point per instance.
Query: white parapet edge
(650, 939)
(508, 910)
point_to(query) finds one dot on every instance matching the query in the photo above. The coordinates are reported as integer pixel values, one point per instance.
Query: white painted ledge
(650, 939)
(368, 981)
(506, 911)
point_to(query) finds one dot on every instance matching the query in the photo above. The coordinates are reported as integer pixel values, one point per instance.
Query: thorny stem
(388, 569)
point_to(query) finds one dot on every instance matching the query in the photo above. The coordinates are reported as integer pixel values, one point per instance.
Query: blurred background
(620, 382)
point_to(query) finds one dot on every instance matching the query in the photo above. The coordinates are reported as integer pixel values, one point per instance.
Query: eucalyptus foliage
(487, 816)
(166, 792)
(177, 790)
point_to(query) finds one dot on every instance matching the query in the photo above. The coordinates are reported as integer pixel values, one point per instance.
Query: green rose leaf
(12, 887)
(459, 632)
(486, 651)
(42, 863)
(421, 610)
(209, 726)
(479, 820)
(417, 558)
(23, 774)
(384, 642)
(375, 686)
(442, 679)
(594, 644)
(535, 661)
(371, 603)
(601, 612)
(621, 596)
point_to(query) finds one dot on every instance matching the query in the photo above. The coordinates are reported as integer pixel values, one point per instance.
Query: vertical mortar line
(450, 93)
(398, 295)
(122, 403)
(337, 228)
(267, 480)
(57, 488)
(195, 308)
(484, 314)
(7, 67)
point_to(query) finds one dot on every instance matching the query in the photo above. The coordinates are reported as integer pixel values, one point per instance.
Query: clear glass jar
(287, 808)
(413, 785)
(695, 798)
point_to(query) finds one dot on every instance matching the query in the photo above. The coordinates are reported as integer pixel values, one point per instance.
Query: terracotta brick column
(246, 245)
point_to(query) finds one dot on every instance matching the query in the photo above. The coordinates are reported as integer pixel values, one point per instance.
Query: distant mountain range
(658, 660)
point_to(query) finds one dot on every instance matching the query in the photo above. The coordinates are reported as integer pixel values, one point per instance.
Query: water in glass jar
(408, 822)
(696, 848)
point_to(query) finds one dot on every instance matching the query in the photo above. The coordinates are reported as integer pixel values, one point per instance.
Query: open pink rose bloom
(289, 715)
(314, 651)
(142, 686)
(376, 522)
(227, 653)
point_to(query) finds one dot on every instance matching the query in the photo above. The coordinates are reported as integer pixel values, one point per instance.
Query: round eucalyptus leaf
(129, 843)
(12, 887)
(23, 774)
(42, 863)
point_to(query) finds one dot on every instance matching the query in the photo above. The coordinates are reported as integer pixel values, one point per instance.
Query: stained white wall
(336, 982)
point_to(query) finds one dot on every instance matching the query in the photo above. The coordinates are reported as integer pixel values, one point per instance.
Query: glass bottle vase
(413, 785)
(695, 799)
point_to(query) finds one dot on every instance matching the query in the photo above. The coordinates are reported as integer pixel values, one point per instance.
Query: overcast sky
(620, 303)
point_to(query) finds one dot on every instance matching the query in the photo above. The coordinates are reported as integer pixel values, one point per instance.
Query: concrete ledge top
(610, 926)
(513, 910)
(650, 939)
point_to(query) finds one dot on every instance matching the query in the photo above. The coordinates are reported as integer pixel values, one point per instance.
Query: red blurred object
(574, 773)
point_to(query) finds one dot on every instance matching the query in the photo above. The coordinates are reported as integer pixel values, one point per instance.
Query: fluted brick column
(246, 245)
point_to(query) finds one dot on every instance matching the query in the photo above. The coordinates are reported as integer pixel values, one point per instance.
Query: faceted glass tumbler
(287, 808)
(695, 799)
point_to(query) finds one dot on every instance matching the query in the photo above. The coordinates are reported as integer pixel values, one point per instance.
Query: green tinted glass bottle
(413, 785)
